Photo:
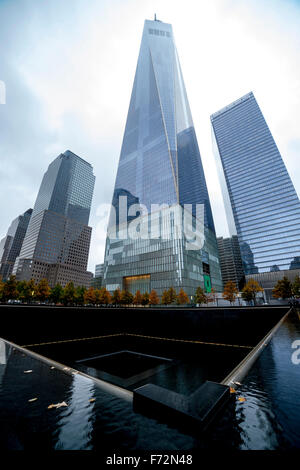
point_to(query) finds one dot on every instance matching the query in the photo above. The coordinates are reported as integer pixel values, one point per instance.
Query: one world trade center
(160, 179)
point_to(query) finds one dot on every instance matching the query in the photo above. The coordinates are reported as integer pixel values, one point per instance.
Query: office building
(56, 245)
(159, 164)
(231, 261)
(262, 205)
(97, 281)
(11, 244)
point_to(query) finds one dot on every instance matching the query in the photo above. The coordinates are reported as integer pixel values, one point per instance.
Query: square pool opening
(124, 368)
(129, 361)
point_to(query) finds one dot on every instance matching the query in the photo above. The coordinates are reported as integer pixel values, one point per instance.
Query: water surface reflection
(268, 419)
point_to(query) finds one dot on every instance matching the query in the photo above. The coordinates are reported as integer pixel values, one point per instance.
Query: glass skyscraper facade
(98, 278)
(67, 188)
(11, 244)
(56, 245)
(231, 261)
(160, 164)
(262, 205)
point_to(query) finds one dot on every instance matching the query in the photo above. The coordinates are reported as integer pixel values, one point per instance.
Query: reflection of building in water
(56, 245)
(80, 417)
(160, 164)
(25, 428)
(262, 205)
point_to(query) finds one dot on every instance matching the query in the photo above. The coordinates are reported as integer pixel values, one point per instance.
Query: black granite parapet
(195, 411)
(24, 324)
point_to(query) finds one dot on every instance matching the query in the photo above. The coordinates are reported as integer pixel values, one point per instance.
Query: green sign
(207, 283)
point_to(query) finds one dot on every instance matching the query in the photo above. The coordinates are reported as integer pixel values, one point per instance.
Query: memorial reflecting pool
(268, 418)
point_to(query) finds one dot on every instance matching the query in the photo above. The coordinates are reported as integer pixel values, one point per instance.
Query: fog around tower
(69, 71)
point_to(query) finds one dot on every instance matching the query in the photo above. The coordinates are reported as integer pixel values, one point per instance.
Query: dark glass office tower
(11, 244)
(98, 278)
(261, 202)
(160, 163)
(56, 245)
(231, 261)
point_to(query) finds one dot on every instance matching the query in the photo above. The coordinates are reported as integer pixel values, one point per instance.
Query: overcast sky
(69, 66)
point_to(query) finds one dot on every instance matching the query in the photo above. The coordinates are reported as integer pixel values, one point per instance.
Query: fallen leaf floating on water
(242, 399)
(57, 405)
(27, 371)
(32, 399)
(91, 400)
(232, 390)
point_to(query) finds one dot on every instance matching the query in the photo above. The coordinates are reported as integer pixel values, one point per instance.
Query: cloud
(69, 68)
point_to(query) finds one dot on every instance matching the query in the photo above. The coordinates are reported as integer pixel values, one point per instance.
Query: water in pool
(267, 418)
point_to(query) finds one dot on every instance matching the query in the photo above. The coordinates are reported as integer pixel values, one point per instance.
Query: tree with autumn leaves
(230, 292)
(56, 294)
(126, 297)
(137, 299)
(9, 289)
(169, 296)
(26, 291)
(116, 297)
(182, 298)
(153, 298)
(284, 289)
(145, 298)
(200, 296)
(43, 290)
(79, 295)
(296, 287)
(104, 296)
(68, 294)
(90, 296)
(250, 291)
(165, 298)
(29, 291)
